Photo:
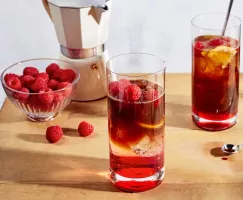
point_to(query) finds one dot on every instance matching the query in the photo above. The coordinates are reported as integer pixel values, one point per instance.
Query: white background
(161, 27)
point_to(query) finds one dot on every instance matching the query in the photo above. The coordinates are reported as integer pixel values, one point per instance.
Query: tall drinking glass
(136, 120)
(215, 71)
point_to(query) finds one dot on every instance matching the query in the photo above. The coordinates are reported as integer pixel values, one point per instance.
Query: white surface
(161, 27)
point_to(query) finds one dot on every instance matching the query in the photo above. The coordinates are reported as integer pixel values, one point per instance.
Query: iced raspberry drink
(136, 120)
(215, 80)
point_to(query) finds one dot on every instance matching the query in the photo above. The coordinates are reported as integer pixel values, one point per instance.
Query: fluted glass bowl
(44, 105)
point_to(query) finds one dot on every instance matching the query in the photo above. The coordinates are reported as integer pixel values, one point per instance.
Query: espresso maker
(82, 30)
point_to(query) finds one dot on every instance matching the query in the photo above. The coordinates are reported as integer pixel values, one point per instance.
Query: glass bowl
(45, 104)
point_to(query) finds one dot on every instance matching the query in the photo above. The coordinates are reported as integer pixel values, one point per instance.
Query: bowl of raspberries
(41, 88)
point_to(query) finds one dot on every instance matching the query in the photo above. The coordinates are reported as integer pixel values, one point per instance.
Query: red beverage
(136, 131)
(215, 81)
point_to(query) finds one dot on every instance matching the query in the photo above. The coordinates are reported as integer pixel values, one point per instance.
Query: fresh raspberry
(46, 96)
(21, 96)
(67, 75)
(32, 71)
(58, 96)
(198, 47)
(114, 88)
(124, 82)
(54, 134)
(9, 76)
(57, 100)
(53, 84)
(216, 42)
(34, 102)
(150, 94)
(14, 83)
(56, 75)
(44, 108)
(132, 93)
(67, 88)
(20, 78)
(39, 84)
(63, 85)
(52, 68)
(44, 76)
(85, 129)
(27, 81)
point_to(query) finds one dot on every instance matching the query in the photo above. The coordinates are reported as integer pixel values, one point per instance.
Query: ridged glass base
(214, 125)
(137, 184)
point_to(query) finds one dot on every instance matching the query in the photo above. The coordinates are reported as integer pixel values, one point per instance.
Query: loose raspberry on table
(52, 68)
(39, 84)
(54, 134)
(27, 81)
(56, 75)
(85, 129)
(10, 75)
(14, 83)
(132, 93)
(44, 76)
(67, 75)
(67, 88)
(32, 71)
(53, 84)
(46, 96)
(22, 96)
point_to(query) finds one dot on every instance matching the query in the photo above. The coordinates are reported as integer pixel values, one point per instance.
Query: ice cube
(148, 147)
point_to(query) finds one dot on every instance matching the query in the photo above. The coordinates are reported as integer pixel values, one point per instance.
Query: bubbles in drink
(148, 147)
(136, 128)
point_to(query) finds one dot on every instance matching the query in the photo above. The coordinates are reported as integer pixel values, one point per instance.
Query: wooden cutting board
(77, 168)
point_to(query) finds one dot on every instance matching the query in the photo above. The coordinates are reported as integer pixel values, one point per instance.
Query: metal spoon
(231, 148)
(227, 18)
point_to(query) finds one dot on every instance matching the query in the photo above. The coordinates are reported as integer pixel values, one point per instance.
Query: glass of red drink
(215, 71)
(136, 120)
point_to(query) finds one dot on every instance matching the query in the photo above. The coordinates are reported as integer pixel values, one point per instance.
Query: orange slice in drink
(222, 55)
(151, 126)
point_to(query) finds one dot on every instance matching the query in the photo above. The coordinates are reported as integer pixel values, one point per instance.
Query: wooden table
(76, 168)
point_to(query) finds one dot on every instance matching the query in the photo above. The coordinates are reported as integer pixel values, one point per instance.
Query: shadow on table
(35, 138)
(178, 112)
(55, 170)
(217, 152)
(96, 108)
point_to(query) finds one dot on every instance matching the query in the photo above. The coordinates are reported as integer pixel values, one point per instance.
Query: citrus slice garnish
(151, 126)
(221, 55)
